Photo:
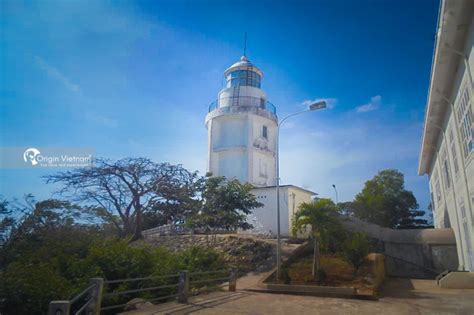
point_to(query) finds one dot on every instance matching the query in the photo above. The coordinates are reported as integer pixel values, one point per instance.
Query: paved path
(399, 296)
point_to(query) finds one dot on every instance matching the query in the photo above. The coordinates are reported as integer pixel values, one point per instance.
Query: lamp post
(337, 199)
(312, 107)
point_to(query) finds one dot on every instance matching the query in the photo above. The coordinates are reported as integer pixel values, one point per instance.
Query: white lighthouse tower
(242, 140)
(241, 126)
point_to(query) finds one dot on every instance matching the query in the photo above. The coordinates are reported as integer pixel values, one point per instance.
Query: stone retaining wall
(246, 253)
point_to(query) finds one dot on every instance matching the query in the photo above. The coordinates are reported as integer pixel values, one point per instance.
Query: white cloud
(56, 74)
(374, 104)
(330, 102)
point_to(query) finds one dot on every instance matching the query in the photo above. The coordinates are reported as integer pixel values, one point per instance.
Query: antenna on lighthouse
(245, 44)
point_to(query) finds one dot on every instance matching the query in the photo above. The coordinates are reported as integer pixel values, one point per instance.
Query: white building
(242, 143)
(447, 146)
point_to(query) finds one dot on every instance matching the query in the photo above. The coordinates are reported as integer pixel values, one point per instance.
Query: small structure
(290, 199)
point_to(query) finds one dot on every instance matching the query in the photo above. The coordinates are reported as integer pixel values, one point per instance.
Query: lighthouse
(241, 127)
(242, 143)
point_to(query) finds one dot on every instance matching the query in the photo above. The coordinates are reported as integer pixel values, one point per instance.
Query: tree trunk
(316, 261)
(138, 223)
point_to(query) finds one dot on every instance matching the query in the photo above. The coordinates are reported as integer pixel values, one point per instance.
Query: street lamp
(312, 107)
(337, 199)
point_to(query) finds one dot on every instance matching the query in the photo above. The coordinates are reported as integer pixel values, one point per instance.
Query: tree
(124, 190)
(24, 225)
(321, 215)
(385, 201)
(355, 248)
(225, 205)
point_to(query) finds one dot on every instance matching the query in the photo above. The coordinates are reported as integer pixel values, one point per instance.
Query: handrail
(141, 290)
(95, 291)
(77, 297)
(208, 280)
(434, 271)
(84, 306)
(138, 279)
(251, 101)
(208, 272)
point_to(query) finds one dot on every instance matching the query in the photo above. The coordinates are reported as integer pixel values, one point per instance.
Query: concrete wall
(416, 253)
(265, 217)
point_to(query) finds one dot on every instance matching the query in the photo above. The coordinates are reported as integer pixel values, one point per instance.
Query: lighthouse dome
(243, 64)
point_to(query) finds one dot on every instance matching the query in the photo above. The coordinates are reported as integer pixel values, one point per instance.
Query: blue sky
(136, 78)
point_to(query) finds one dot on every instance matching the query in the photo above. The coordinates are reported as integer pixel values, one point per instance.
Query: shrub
(30, 283)
(355, 249)
(320, 276)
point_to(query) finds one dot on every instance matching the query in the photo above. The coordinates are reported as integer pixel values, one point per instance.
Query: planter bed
(340, 281)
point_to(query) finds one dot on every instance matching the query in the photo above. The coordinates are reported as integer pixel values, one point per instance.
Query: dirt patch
(339, 273)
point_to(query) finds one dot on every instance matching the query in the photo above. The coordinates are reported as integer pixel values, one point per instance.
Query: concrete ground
(398, 296)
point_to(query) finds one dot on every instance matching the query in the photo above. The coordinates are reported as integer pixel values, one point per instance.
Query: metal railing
(168, 229)
(178, 286)
(91, 298)
(250, 101)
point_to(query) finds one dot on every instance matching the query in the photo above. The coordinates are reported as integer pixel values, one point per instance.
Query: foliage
(225, 206)
(50, 257)
(355, 249)
(385, 201)
(32, 226)
(321, 215)
(123, 191)
(320, 276)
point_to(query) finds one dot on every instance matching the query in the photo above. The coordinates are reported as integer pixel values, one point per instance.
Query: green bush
(28, 284)
(320, 276)
(355, 249)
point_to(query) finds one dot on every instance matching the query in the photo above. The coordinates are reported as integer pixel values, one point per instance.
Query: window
(453, 151)
(438, 191)
(436, 185)
(445, 168)
(433, 208)
(464, 115)
(265, 132)
(243, 77)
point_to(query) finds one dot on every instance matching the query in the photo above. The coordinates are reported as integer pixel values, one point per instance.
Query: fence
(180, 284)
(168, 229)
(249, 101)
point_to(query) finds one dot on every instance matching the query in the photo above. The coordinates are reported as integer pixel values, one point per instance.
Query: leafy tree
(124, 190)
(225, 206)
(49, 253)
(321, 215)
(355, 248)
(385, 201)
(28, 224)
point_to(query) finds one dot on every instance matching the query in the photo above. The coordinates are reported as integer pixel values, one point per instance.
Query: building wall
(238, 148)
(452, 173)
(290, 199)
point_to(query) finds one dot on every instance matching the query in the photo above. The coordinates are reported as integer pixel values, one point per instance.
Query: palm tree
(320, 214)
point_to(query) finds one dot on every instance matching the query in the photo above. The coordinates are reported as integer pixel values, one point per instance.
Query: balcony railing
(243, 101)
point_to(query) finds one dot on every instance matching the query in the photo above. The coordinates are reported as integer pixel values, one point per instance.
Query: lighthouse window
(243, 78)
(265, 132)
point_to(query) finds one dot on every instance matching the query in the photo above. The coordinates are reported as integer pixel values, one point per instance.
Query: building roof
(289, 186)
(454, 19)
(243, 64)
